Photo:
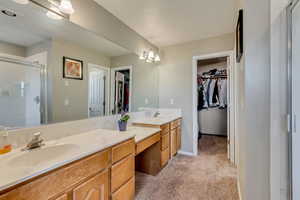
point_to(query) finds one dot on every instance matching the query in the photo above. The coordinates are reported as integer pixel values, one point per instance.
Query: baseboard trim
(239, 189)
(186, 153)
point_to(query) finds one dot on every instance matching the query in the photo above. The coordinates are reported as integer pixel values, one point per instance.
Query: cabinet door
(173, 142)
(178, 138)
(63, 197)
(95, 188)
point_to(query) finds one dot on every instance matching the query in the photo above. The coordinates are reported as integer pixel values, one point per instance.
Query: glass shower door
(20, 94)
(294, 61)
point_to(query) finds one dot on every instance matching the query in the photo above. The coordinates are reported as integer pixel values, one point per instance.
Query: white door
(97, 91)
(296, 101)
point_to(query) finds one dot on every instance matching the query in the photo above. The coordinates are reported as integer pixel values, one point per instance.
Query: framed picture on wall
(239, 37)
(72, 68)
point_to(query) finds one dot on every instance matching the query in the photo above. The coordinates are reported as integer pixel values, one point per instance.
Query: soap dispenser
(5, 146)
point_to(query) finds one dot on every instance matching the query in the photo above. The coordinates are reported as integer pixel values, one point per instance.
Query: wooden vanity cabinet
(94, 177)
(95, 188)
(170, 139)
(62, 197)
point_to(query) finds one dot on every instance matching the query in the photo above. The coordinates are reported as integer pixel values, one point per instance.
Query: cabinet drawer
(122, 172)
(174, 124)
(141, 146)
(95, 188)
(126, 192)
(165, 129)
(165, 141)
(60, 180)
(165, 155)
(122, 150)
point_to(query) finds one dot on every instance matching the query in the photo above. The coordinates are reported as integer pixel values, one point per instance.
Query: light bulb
(151, 55)
(66, 7)
(143, 56)
(52, 14)
(21, 1)
(157, 58)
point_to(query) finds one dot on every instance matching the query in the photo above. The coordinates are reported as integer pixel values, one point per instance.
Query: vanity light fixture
(66, 7)
(21, 1)
(53, 15)
(149, 57)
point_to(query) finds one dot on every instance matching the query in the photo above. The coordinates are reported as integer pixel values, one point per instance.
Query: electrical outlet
(146, 101)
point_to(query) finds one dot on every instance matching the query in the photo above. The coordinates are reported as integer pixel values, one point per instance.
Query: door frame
(112, 91)
(233, 86)
(107, 98)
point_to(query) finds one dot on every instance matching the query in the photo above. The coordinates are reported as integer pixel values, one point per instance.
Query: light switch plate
(67, 102)
(146, 101)
(171, 101)
(67, 83)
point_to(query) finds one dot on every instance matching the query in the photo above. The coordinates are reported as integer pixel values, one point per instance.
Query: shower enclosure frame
(291, 115)
(43, 90)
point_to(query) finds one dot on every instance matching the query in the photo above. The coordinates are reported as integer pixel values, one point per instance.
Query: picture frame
(239, 36)
(72, 68)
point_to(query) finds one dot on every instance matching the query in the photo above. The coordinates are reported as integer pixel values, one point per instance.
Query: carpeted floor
(208, 176)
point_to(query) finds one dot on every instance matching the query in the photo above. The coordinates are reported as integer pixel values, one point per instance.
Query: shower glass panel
(20, 94)
(294, 61)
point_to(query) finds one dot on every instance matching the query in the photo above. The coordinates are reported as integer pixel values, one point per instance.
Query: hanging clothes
(206, 84)
(212, 90)
(215, 99)
(222, 85)
(200, 97)
(212, 86)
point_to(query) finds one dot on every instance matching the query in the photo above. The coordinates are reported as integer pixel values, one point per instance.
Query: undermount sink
(37, 156)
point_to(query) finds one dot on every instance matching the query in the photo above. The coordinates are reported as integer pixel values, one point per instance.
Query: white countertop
(13, 171)
(142, 133)
(160, 120)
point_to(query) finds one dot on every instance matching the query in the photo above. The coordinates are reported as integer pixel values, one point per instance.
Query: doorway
(217, 72)
(98, 90)
(121, 89)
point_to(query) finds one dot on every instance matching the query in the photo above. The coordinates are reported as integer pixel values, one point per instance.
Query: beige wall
(175, 78)
(108, 26)
(12, 49)
(145, 80)
(77, 91)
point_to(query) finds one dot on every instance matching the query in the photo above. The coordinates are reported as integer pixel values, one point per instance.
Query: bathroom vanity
(99, 164)
(170, 135)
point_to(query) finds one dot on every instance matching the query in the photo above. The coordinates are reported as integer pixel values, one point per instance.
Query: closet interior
(122, 91)
(212, 96)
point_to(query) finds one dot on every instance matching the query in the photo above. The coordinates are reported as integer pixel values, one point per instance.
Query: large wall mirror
(52, 70)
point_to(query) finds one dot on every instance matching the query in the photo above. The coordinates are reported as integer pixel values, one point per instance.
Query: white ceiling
(32, 26)
(168, 22)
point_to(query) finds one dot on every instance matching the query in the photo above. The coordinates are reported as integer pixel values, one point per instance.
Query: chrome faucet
(156, 114)
(36, 142)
